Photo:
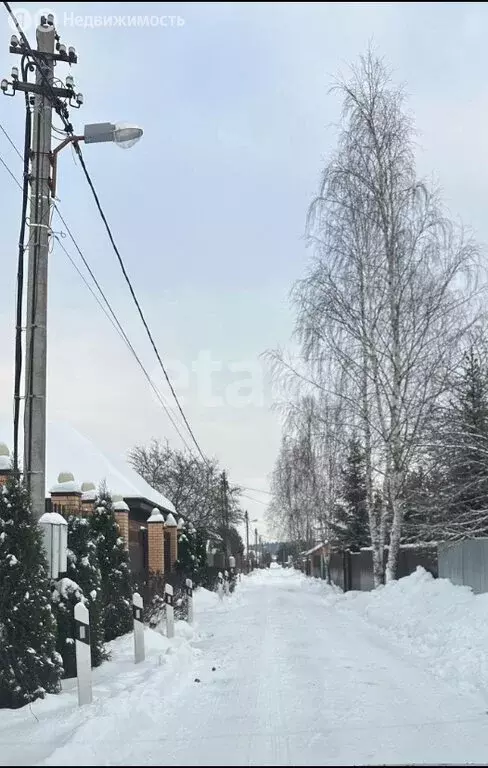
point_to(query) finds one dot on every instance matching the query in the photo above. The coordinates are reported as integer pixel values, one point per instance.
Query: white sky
(209, 208)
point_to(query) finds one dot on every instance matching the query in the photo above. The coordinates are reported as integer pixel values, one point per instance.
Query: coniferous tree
(65, 595)
(30, 666)
(352, 526)
(192, 556)
(113, 559)
(460, 503)
(468, 467)
(84, 569)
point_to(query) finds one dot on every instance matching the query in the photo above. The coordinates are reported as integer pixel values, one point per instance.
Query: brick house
(147, 519)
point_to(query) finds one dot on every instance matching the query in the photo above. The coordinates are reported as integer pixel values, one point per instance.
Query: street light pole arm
(54, 159)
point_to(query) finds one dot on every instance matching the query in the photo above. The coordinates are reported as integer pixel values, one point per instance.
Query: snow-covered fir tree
(65, 595)
(30, 666)
(84, 569)
(113, 559)
(192, 557)
(351, 529)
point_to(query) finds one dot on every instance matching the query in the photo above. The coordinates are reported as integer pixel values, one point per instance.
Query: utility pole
(246, 517)
(44, 94)
(256, 542)
(225, 500)
(36, 325)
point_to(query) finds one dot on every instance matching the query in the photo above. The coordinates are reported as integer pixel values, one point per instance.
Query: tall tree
(388, 297)
(193, 485)
(30, 666)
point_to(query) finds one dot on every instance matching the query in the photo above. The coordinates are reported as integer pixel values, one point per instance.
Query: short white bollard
(226, 582)
(220, 586)
(189, 594)
(170, 611)
(137, 606)
(83, 655)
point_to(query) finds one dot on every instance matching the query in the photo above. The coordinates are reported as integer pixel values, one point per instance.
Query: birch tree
(390, 294)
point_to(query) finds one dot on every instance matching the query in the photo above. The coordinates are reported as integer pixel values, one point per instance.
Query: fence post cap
(81, 612)
(155, 516)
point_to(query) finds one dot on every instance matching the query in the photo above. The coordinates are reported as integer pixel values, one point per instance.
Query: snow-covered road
(298, 680)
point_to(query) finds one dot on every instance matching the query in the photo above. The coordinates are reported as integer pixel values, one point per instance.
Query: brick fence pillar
(171, 528)
(155, 542)
(88, 496)
(67, 494)
(121, 511)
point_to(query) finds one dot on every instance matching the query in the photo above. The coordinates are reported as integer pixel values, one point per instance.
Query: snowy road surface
(298, 680)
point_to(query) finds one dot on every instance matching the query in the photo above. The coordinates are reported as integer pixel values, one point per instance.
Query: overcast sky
(209, 208)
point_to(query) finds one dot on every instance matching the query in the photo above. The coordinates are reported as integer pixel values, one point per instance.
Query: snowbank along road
(285, 672)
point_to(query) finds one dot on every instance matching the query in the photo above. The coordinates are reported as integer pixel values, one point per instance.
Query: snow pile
(204, 599)
(445, 625)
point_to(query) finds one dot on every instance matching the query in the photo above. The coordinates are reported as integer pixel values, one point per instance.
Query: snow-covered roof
(66, 447)
(315, 549)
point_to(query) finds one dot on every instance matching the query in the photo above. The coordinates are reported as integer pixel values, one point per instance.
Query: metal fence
(465, 563)
(354, 570)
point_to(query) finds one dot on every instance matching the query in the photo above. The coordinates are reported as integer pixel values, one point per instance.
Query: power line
(134, 297)
(12, 144)
(62, 111)
(251, 498)
(20, 281)
(108, 310)
(110, 314)
(256, 490)
(14, 177)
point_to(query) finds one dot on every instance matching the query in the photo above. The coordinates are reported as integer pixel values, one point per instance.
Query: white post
(220, 586)
(226, 582)
(137, 606)
(170, 611)
(189, 594)
(83, 656)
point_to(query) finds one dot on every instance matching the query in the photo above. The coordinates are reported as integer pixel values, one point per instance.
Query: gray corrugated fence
(465, 563)
(354, 570)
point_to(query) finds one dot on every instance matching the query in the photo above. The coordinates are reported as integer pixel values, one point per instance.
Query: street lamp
(123, 135)
(55, 535)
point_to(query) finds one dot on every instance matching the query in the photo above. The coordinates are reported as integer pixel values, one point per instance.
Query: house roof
(70, 451)
(315, 549)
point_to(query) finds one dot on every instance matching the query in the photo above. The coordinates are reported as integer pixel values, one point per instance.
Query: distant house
(315, 560)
